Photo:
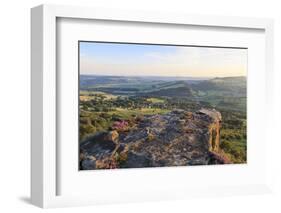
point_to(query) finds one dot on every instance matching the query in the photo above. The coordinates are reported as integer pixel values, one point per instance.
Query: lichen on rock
(177, 138)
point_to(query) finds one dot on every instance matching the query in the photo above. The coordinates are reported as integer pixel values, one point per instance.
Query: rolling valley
(144, 121)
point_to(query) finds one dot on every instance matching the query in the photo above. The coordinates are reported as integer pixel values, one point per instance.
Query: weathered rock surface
(178, 138)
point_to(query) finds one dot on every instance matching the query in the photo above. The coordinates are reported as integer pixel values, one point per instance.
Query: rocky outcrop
(178, 138)
(214, 129)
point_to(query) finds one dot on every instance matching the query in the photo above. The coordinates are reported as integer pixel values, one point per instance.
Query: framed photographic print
(151, 105)
(130, 106)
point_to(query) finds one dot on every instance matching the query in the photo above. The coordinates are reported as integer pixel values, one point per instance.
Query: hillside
(234, 85)
(178, 91)
(200, 89)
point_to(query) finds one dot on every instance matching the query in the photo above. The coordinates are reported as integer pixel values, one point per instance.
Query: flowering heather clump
(120, 125)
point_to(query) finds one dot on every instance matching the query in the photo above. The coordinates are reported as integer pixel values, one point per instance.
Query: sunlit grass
(155, 100)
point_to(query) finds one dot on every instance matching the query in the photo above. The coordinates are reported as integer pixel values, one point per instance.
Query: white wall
(15, 98)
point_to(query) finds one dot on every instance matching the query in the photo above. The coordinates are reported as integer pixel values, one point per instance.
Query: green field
(155, 100)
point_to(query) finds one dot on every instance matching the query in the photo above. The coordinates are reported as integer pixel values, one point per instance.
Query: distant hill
(87, 81)
(224, 92)
(123, 85)
(181, 91)
(146, 82)
(237, 84)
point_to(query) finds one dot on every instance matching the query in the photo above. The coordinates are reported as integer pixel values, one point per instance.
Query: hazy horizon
(152, 76)
(139, 60)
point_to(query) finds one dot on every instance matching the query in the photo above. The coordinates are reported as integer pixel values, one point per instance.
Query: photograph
(161, 105)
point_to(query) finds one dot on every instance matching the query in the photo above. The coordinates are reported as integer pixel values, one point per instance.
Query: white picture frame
(44, 154)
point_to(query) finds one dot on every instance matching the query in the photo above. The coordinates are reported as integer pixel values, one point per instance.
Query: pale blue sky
(160, 60)
(116, 50)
